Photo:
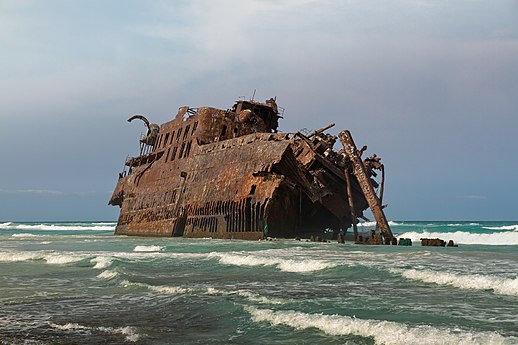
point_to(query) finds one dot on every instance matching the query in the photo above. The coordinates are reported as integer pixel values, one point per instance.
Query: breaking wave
(107, 275)
(102, 262)
(463, 224)
(169, 290)
(462, 237)
(383, 332)
(61, 259)
(128, 331)
(24, 235)
(147, 249)
(286, 265)
(50, 258)
(365, 224)
(252, 297)
(499, 285)
(504, 227)
(54, 227)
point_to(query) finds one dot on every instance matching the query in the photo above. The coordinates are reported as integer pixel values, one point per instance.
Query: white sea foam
(500, 285)
(504, 227)
(286, 265)
(62, 259)
(170, 290)
(129, 332)
(107, 275)
(50, 258)
(383, 332)
(147, 249)
(102, 262)
(369, 224)
(95, 226)
(19, 256)
(69, 326)
(462, 237)
(24, 235)
(251, 296)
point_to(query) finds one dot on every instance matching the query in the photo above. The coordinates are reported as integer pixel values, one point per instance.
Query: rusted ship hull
(227, 174)
(247, 188)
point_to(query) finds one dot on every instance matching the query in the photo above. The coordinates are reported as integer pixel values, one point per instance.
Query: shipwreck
(230, 174)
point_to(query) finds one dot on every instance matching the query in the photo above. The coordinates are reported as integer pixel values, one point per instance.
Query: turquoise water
(71, 283)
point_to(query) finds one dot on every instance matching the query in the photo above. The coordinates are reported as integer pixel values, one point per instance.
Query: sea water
(77, 283)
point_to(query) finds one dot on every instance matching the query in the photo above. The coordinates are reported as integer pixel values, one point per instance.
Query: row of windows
(185, 149)
(167, 139)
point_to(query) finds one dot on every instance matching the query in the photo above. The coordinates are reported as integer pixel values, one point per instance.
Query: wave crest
(462, 237)
(383, 332)
(499, 285)
(108, 274)
(147, 249)
(129, 332)
(286, 265)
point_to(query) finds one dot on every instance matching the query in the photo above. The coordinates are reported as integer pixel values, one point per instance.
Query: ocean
(77, 283)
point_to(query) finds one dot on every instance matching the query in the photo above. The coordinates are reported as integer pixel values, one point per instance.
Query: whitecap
(383, 332)
(369, 224)
(251, 296)
(500, 285)
(68, 326)
(107, 275)
(504, 227)
(54, 227)
(170, 290)
(62, 259)
(286, 265)
(463, 237)
(147, 249)
(19, 256)
(129, 332)
(102, 262)
(24, 235)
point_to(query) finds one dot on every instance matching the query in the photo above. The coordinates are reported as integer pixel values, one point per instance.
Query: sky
(430, 86)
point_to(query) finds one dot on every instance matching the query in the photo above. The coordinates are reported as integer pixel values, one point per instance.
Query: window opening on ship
(159, 141)
(174, 153)
(188, 149)
(186, 131)
(181, 151)
(178, 134)
(223, 132)
(172, 137)
(165, 141)
(252, 190)
(194, 127)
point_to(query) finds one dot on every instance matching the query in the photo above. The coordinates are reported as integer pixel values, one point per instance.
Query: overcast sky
(430, 86)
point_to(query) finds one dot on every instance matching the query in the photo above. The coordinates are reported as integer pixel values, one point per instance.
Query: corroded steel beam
(364, 180)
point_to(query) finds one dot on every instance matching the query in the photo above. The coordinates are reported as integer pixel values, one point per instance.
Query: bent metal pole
(364, 180)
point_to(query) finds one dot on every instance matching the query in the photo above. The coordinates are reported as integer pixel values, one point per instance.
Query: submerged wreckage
(230, 174)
